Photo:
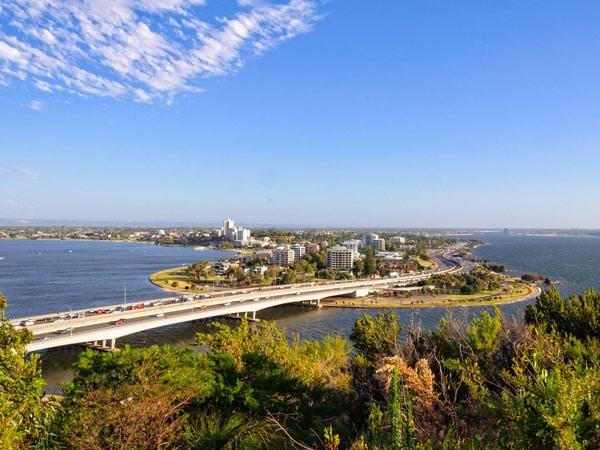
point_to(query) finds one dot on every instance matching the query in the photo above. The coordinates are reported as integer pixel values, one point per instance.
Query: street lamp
(70, 314)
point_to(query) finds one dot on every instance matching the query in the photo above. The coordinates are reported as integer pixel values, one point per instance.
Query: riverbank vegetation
(487, 383)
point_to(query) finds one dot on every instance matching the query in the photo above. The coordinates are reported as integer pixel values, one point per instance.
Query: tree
(376, 338)
(202, 269)
(133, 398)
(3, 303)
(369, 264)
(26, 414)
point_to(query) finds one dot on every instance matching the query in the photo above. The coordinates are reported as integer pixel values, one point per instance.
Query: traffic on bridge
(100, 327)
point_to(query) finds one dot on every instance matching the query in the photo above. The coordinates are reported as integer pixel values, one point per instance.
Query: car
(65, 331)
(227, 304)
(119, 322)
(159, 315)
(28, 322)
(203, 306)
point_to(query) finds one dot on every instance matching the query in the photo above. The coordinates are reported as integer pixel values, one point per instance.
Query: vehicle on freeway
(119, 322)
(65, 331)
(159, 315)
(28, 322)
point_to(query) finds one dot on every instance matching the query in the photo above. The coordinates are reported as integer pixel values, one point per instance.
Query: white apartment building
(339, 257)
(242, 234)
(283, 256)
(378, 244)
(398, 240)
(368, 238)
(299, 251)
(228, 226)
(354, 245)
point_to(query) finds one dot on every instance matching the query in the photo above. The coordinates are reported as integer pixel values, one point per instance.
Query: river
(47, 276)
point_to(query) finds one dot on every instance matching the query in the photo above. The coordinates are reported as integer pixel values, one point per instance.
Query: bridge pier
(101, 345)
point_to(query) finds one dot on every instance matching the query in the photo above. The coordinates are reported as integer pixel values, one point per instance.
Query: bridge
(102, 326)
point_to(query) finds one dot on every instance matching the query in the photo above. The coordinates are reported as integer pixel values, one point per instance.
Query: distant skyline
(323, 113)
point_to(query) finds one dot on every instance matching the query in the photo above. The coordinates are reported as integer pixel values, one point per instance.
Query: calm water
(40, 277)
(48, 276)
(571, 261)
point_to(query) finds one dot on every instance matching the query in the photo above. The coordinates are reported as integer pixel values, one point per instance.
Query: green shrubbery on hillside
(488, 383)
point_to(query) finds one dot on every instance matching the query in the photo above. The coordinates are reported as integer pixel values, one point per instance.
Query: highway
(113, 321)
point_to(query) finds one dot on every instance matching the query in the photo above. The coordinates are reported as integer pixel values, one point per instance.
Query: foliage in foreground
(485, 383)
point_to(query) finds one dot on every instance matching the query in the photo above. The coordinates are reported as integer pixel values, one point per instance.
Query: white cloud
(8, 203)
(36, 105)
(139, 49)
(18, 172)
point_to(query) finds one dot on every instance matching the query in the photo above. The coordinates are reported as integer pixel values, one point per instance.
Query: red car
(120, 321)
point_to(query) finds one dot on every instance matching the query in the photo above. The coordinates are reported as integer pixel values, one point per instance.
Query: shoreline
(424, 302)
(164, 279)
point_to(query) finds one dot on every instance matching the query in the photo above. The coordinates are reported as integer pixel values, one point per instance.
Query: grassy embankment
(516, 291)
(176, 280)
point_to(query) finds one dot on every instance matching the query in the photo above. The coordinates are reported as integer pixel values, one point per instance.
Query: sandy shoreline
(425, 301)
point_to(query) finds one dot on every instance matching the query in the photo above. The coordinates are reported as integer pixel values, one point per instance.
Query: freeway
(113, 321)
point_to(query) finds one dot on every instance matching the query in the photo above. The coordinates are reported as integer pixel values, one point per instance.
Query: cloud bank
(144, 50)
(18, 172)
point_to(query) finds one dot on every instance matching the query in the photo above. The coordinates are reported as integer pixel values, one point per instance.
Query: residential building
(378, 244)
(354, 245)
(283, 256)
(299, 251)
(398, 240)
(312, 248)
(227, 228)
(339, 257)
(368, 238)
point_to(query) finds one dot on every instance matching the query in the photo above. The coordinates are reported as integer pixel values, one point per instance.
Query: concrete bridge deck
(108, 323)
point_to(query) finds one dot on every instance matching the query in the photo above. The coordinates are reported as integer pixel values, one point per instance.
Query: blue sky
(318, 113)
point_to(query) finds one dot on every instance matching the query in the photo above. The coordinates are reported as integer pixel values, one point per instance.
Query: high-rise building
(228, 226)
(353, 244)
(339, 257)
(312, 248)
(283, 256)
(299, 251)
(242, 234)
(368, 238)
(378, 244)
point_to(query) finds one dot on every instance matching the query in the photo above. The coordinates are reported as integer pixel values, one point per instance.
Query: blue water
(40, 277)
(573, 262)
(44, 276)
